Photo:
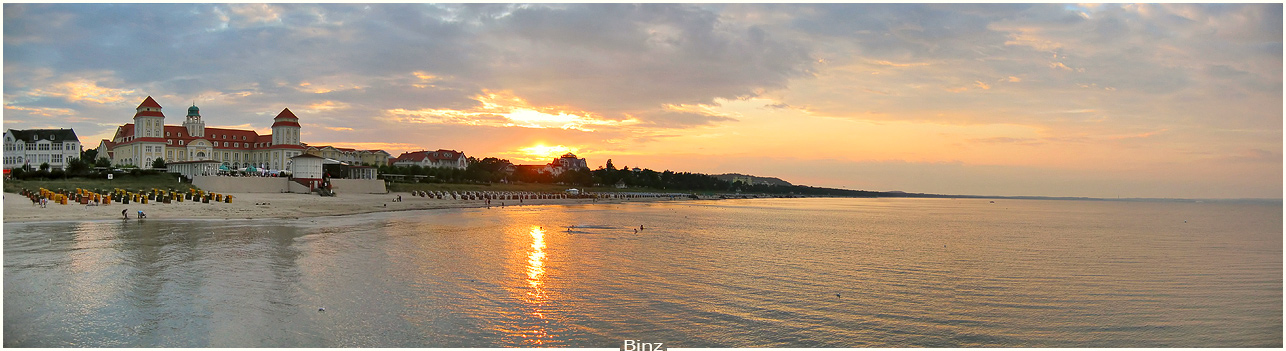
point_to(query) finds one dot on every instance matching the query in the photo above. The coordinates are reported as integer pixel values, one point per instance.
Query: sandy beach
(257, 206)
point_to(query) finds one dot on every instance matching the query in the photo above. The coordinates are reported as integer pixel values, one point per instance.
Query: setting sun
(540, 152)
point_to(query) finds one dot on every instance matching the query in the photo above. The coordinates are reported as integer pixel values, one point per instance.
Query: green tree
(609, 166)
(158, 163)
(489, 169)
(76, 167)
(44, 167)
(89, 154)
(103, 162)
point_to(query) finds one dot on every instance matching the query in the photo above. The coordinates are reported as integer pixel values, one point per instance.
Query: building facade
(439, 158)
(193, 168)
(568, 162)
(148, 138)
(350, 156)
(33, 147)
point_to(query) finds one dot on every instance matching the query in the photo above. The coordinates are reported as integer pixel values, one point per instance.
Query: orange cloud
(42, 111)
(895, 64)
(503, 109)
(326, 106)
(85, 90)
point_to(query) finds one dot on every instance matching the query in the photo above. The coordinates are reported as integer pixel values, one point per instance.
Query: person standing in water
(125, 213)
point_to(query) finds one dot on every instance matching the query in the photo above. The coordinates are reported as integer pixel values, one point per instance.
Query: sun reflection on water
(535, 296)
(536, 259)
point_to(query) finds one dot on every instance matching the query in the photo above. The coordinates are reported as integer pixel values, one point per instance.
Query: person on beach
(125, 213)
(141, 215)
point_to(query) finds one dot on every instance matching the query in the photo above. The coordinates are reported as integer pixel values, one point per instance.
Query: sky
(1097, 100)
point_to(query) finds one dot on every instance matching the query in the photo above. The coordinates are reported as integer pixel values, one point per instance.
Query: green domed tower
(195, 126)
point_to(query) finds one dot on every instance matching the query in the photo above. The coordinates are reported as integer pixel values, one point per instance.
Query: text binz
(639, 345)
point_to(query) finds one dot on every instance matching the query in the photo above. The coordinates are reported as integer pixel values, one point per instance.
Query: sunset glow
(542, 153)
(1139, 100)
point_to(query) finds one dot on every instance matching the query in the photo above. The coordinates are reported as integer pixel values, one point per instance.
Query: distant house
(440, 159)
(567, 162)
(37, 146)
(105, 149)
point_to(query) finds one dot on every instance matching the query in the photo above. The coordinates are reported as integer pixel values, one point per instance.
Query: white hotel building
(34, 147)
(148, 138)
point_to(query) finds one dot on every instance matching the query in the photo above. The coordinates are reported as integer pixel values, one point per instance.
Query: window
(225, 144)
(167, 134)
(180, 142)
(236, 144)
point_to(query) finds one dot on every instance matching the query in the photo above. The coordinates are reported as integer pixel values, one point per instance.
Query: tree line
(495, 170)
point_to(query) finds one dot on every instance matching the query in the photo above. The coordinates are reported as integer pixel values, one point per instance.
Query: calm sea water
(732, 273)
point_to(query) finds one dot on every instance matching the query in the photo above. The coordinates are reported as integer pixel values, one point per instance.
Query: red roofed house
(148, 138)
(440, 158)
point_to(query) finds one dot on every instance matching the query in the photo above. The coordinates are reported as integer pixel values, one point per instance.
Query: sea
(794, 273)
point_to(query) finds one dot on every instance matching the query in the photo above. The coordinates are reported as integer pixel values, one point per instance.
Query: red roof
(148, 114)
(286, 118)
(284, 123)
(149, 103)
(285, 113)
(126, 130)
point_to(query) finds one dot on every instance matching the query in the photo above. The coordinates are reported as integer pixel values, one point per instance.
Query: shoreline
(18, 209)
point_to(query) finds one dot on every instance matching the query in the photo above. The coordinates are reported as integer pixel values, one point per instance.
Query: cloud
(40, 111)
(619, 77)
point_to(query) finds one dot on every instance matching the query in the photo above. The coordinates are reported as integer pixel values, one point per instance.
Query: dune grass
(123, 181)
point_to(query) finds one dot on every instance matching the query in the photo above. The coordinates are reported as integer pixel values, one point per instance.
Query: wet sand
(258, 206)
